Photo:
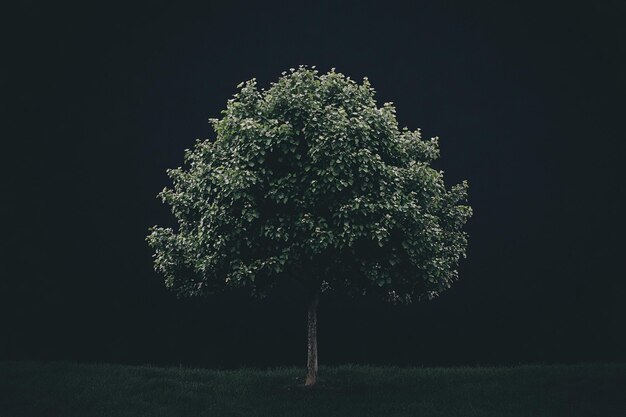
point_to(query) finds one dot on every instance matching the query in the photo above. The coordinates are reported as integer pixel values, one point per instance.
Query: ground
(37, 389)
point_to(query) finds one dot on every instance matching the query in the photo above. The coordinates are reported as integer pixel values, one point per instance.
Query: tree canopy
(310, 182)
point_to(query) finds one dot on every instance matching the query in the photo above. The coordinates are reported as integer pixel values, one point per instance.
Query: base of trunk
(311, 377)
(310, 380)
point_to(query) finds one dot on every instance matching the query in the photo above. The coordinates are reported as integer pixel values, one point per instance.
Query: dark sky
(527, 98)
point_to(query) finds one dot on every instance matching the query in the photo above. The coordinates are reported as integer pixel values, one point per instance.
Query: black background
(527, 98)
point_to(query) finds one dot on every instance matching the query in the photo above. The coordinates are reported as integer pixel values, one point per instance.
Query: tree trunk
(311, 377)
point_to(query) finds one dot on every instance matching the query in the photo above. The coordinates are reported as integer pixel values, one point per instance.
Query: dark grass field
(32, 389)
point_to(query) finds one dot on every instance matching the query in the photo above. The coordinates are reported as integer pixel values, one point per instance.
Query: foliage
(311, 183)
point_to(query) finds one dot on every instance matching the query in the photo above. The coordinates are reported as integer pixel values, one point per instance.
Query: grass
(33, 389)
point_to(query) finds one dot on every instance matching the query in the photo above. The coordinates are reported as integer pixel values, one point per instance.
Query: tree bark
(311, 377)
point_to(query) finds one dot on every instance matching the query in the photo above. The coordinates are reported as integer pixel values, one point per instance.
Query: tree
(309, 183)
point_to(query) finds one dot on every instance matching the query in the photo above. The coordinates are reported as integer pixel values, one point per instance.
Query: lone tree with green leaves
(309, 184)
